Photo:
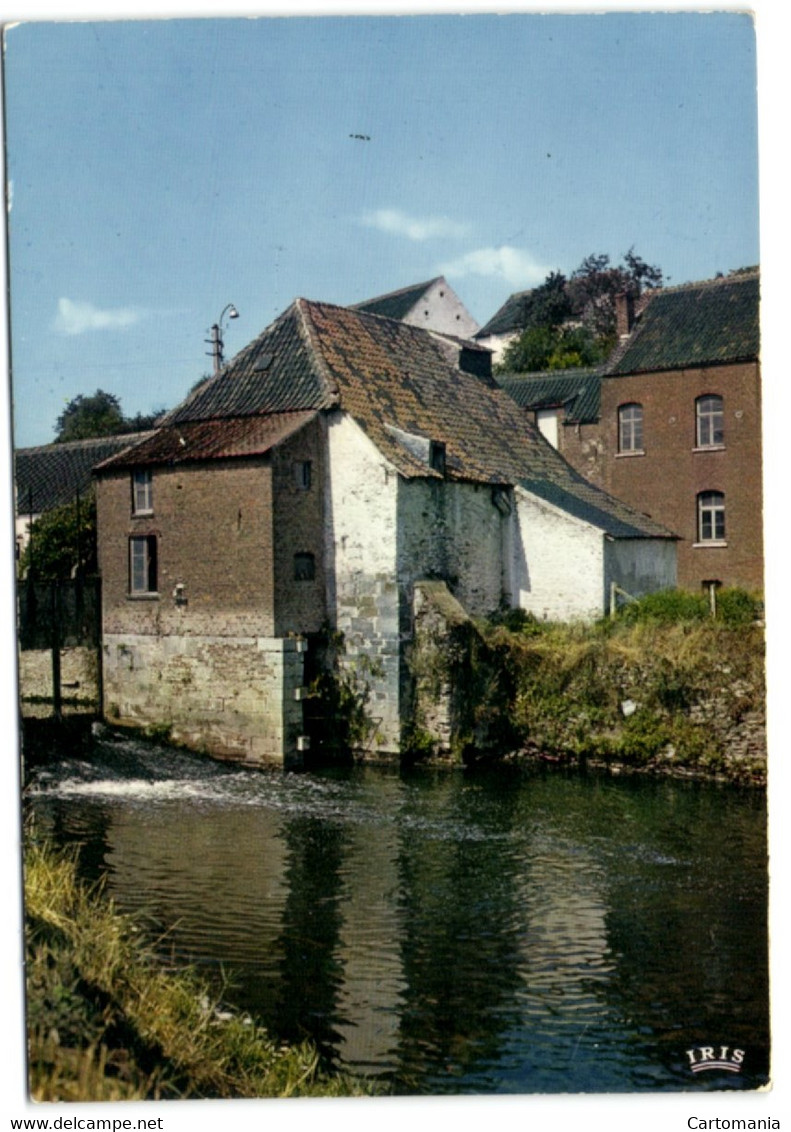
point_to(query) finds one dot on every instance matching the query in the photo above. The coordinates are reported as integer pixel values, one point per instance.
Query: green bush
(737, 607)
(734, 607)
(666, 607)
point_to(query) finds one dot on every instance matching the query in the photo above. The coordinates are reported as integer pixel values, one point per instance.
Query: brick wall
(298, 501)
(214, 528)
(209, 669)
(665, 480)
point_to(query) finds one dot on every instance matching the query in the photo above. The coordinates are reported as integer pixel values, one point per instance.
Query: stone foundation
(232, 697)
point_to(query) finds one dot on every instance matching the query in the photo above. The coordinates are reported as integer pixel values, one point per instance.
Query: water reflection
(448, 932)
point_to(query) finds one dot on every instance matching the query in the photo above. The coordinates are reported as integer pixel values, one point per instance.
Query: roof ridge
(93, 441)
(742, 276)
(395, 293)
(310, 336)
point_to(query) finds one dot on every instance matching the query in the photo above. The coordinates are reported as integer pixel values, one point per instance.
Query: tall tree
(571, 322)
(98, 415)
(86, 417)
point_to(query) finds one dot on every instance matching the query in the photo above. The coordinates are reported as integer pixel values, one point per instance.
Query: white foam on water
(133, 789)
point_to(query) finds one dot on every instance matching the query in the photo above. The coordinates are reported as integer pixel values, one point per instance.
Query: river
(446, 931)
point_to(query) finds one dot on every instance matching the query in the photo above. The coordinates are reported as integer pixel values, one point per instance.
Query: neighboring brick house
(336, 462)
(672, 423)
(680, 425)
(433, 305)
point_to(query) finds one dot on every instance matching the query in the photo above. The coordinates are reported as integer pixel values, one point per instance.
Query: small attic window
(436, 456)
(263, 362)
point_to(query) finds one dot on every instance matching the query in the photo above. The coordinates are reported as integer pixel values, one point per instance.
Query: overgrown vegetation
(337, 709)
(663, 685)
(62, 542)
(106, 1021)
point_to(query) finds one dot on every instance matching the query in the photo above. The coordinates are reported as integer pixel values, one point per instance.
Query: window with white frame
(711, 516)
(143, 564)
(709, 421)
(630, 428)
(142, 492)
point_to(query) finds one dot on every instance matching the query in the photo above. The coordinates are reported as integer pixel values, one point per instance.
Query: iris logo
(704, 1058)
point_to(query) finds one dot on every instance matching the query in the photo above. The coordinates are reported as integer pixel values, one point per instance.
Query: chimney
(624, 315)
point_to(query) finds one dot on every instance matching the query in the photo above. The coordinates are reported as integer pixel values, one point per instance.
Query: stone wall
(79, 669)
(233, 697)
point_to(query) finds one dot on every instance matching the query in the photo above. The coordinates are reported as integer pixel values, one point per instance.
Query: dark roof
(698, 324)
(226, 438)
(576, 390)
(511, 316)
(396, 381)
(50, 475)
(396, 304)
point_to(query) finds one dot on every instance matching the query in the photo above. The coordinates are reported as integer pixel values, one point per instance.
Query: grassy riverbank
(106, 1021)
(662, 687)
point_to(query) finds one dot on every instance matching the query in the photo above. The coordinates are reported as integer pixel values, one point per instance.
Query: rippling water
(446, 931)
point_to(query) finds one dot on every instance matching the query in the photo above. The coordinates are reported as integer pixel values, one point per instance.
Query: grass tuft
(106, 1021)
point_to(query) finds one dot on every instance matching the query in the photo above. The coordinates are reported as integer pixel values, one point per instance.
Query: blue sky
(161, 169)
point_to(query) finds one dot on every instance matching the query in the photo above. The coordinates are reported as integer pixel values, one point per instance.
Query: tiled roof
(511, 316)
(697, 324)
(577, 390)
(394, 378)
(211, 440)
(51, 474)
(274, 373)
(396, 304)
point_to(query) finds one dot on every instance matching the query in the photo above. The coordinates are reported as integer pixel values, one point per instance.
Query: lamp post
(216, 336)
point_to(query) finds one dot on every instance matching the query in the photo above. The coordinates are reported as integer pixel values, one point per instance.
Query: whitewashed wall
(360, 565)
(441, 309)
(557, 564)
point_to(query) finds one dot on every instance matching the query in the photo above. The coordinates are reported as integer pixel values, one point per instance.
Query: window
(302, 475)
(630, 428)
(436, 456)
(709, 417)
(143, 564)
(711, 516)
(304, 567)
(142, 495)
(547, 421)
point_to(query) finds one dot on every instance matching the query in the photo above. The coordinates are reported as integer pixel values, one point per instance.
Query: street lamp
(216, 336)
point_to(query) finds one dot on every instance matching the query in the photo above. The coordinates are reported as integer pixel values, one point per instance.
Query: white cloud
(413, 227)
(514, 265)
(77, 318)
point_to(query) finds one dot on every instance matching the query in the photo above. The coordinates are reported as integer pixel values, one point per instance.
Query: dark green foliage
(572, 322)
(98, 415)
(737, 607)
(84, 417)
(733, 607)
(62, 541)
(666, 607)
(552, 348)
